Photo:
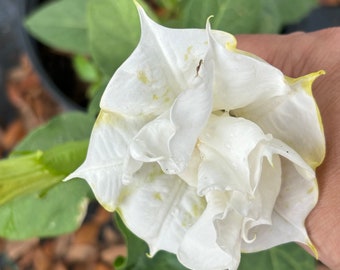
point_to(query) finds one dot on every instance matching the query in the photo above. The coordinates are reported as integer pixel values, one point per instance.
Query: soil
(94, 246)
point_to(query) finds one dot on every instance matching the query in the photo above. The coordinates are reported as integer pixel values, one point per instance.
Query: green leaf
(23, 175)
(137, 254)
(45, 156)
(61, 25)
(288, 256)
(31, 179)
(85, 69)
(89, 73)
(58, 211)
(292, 11)
(71, 126)
(242, 16)
(114, 32)
(270, 20)
(34, 172)
(65, 158)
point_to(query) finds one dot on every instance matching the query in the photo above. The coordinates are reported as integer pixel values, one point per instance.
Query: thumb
(281, 51)
(298, 53)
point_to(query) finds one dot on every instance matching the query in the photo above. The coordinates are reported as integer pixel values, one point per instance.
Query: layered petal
(108, 149)
(170, 138)
(284, 210)
(225, 145)
(254, 170)
(293, 118)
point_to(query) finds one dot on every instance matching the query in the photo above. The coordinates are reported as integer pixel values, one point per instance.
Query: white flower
(206, 151)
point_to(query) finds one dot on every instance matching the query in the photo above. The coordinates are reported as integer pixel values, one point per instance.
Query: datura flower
(206, 151)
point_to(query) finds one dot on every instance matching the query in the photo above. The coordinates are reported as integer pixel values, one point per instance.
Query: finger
(282, 51)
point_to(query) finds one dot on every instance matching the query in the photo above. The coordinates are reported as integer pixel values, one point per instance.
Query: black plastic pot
(14, 42)
(10, 48)
(54, 68)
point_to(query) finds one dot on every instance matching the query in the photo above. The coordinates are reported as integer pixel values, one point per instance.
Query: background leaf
(57, 211)
(23, 175)
(34, 171)
(85, 69)
(109, 30)
(31, 179)
(291, 11)
(70, 126)
(114, 31)
(243, 16)
(62, 25)
(269, 20)
(288, 256)
(46, 156)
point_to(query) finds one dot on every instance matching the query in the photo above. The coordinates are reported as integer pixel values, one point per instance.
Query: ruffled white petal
(296, 197)
(170, 138)
(160, 208)
(266, 170)
(199, 249)
(225, 145)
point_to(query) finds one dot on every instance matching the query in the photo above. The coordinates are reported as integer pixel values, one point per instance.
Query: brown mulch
(33, 104)
(94, 246)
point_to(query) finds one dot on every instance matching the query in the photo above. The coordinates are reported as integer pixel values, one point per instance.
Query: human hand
(298, 54)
